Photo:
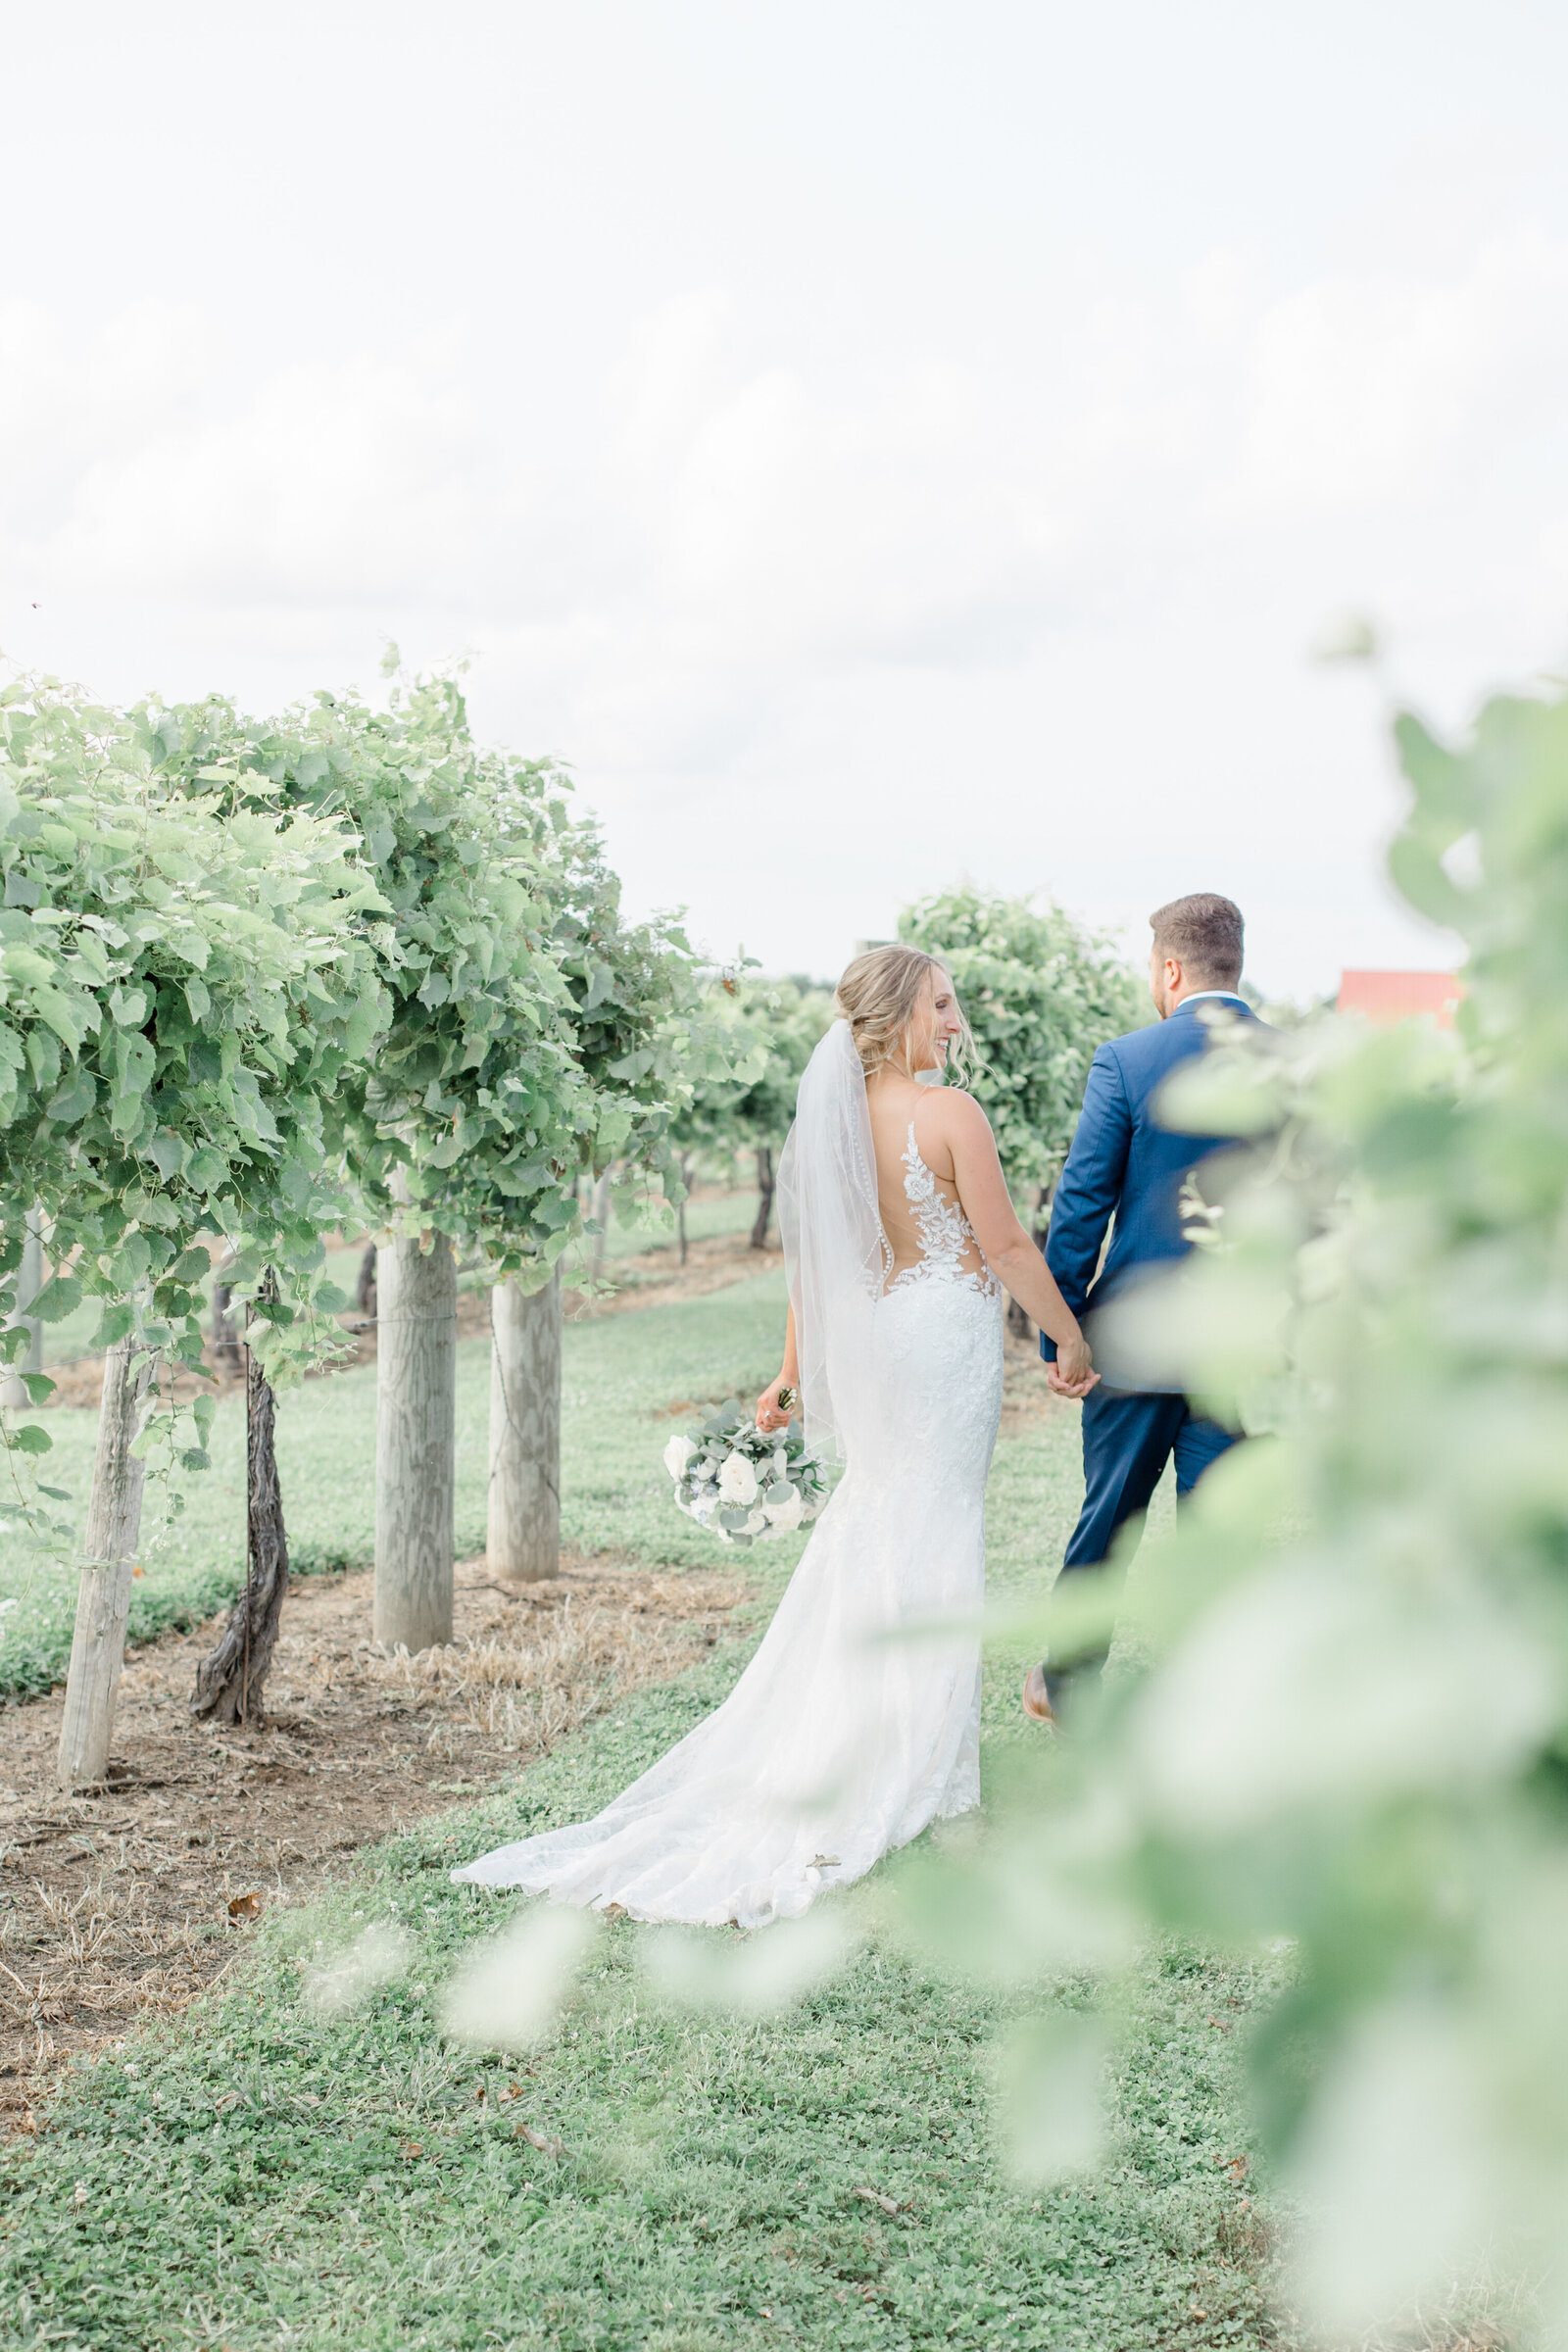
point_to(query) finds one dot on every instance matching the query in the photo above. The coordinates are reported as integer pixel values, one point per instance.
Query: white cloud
(731, 511)
(1374, 391)
(349, 482)
(1036, 609)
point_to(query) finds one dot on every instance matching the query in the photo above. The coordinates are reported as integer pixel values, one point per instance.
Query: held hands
(1073, 1373)
(777, 1403)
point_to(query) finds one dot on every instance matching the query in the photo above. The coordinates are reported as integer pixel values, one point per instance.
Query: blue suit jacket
(1124, 1164)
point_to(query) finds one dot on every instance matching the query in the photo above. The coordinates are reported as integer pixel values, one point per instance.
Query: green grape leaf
(59, 1297)
(74, 1100)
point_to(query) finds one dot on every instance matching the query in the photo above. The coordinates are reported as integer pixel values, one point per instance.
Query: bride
(856, 1722)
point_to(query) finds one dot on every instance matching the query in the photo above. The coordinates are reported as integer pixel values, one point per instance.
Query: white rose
(785, 1514)
(754, 1523)
(737, 1481)
(677, 1453)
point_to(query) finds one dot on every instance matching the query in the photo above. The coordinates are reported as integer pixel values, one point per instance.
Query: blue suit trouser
(1129, 1437)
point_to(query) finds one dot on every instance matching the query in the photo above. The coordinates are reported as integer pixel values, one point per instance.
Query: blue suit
(1124, 1165)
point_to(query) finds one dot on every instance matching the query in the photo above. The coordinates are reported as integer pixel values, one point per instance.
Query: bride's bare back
(956, 1152)
(902, 1113)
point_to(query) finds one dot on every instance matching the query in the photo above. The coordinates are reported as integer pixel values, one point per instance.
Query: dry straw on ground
(130, 1901)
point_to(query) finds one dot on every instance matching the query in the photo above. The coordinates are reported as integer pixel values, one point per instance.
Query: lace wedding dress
(856, 1722)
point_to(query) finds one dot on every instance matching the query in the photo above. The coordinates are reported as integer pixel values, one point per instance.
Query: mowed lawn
(616, 1494)
(255, 2176)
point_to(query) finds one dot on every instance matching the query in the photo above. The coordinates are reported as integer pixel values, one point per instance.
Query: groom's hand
(1073, 1373)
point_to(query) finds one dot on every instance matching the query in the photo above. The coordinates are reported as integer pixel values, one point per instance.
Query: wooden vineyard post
(229, 1679)
(523, 1531)
(109, 1550)
(764, 1187)
(600, 1216)
(226, 1351)
(416, 1438)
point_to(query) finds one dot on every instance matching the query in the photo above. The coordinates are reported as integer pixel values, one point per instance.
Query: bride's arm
(768, 1413)
(1009, 1251)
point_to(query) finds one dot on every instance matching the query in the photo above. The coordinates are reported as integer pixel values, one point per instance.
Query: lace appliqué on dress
(946, 1234)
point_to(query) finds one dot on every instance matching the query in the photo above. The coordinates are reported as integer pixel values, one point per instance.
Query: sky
(876, 445)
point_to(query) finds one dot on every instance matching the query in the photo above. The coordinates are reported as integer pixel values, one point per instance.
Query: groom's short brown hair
(1202, 932)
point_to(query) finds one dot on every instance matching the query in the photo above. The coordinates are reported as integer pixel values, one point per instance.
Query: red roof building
(1386, 996)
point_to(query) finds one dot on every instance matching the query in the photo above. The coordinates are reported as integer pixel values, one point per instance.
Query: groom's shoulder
(1160, 1042)
(1146, 1048)
(1142, 1057)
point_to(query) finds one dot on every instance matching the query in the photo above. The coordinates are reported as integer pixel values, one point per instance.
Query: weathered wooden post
(600, 1216)
(764, 1188)
(109, 1553)
(415, 1440)
(227, 1354)
(523, 1535)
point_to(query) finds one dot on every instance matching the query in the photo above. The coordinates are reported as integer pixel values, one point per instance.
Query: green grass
(715, 1217)
(194, 1558)
(75, 1335)
(618, 1371)
(256, 2176)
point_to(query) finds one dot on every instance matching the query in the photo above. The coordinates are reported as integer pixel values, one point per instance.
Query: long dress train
(852, 1728)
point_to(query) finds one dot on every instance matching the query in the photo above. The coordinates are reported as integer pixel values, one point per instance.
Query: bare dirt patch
(135, 1898)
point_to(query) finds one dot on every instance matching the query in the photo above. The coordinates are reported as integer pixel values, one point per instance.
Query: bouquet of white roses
(745, 1483)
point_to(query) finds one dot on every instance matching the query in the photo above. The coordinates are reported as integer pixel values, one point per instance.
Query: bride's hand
(771, 1412)
(1073, 1373)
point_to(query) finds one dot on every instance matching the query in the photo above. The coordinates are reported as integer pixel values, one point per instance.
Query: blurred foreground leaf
(1346, 1731)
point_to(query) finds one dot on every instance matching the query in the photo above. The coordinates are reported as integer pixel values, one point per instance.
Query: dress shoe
(1036, 1697)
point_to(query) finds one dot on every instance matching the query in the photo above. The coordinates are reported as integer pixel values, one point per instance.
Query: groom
(1124, 1165)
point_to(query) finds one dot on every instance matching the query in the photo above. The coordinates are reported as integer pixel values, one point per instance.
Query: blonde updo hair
(879, 995)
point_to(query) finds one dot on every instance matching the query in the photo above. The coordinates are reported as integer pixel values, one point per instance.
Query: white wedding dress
(856, 1722)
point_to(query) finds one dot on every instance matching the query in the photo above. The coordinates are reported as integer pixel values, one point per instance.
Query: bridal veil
(834, 1250)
